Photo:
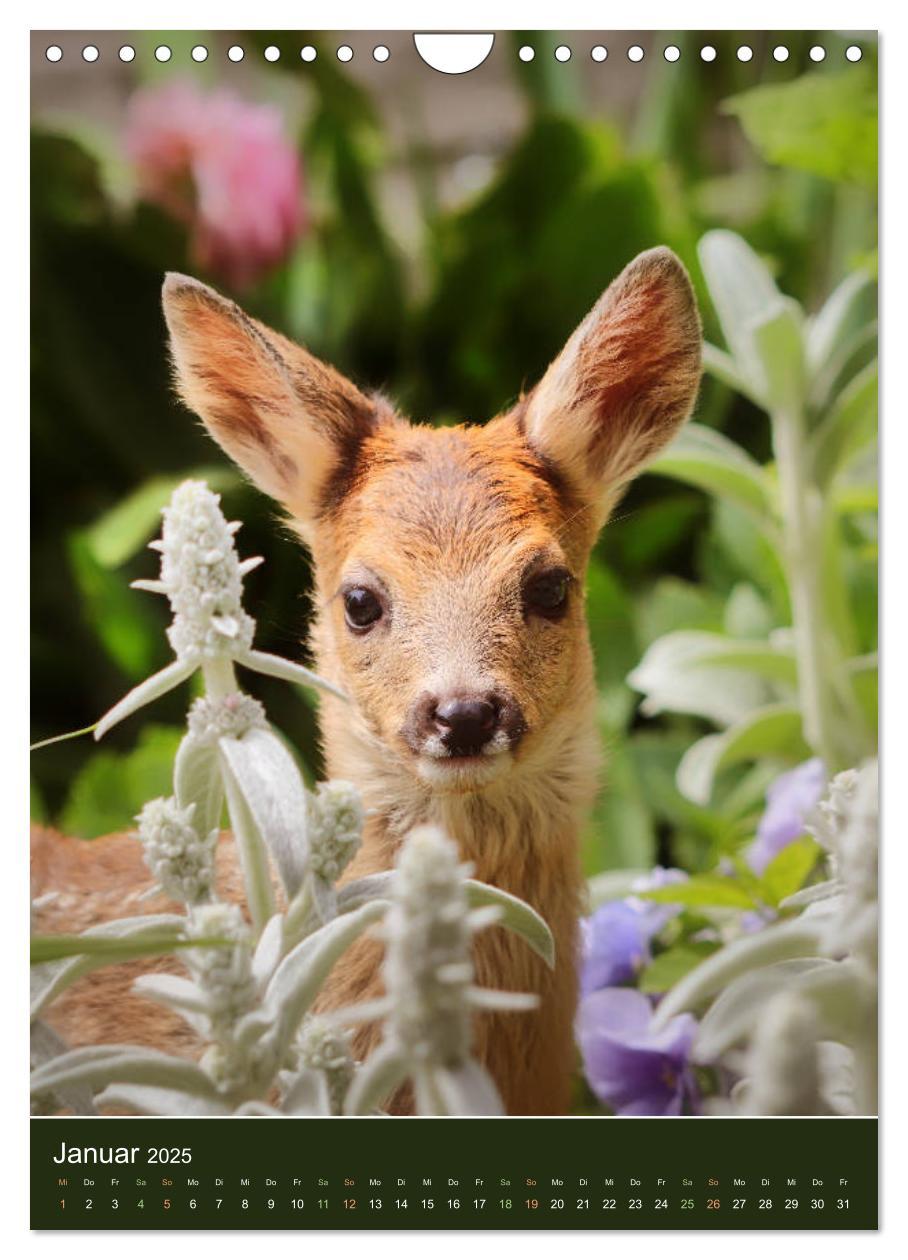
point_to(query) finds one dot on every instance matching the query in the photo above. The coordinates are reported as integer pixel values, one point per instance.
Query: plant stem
(802, 526)
(220, 679)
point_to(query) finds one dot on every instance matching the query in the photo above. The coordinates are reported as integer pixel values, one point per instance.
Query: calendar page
(454, 781)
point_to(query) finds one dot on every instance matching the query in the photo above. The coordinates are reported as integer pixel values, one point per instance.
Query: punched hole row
(381, 53)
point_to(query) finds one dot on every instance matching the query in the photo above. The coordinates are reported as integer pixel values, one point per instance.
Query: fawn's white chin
(462, 774)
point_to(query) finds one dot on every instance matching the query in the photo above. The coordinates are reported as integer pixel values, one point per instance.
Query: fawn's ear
(287, 419)
(624, 383)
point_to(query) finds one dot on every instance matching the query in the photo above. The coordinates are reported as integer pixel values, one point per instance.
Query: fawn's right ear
(286, 418)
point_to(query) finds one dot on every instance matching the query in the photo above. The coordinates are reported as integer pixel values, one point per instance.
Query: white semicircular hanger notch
(455, 53)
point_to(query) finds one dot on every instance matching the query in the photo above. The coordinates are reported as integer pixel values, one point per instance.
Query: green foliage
(822, 123)
(112, 788)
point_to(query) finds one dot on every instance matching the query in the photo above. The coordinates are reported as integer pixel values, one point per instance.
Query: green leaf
(706, 459)
(111, 788)
(849, 427)
(774, 730)
(786, 873)
(778, 339)
(516, 916)
(704, 890)
(847, 311)
(822, 123)
(664, 972)
(122, 531)
(117, 949)
(129, 632)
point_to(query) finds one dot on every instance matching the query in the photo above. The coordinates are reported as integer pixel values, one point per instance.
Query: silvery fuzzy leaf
(815, 892)
(197, 781)
(46, 1045)
(99, 1066)
(426, 1093)
(296, 983)
(252, 849)
(152, 1100)
(271, 785)
(779, 341)
(50, 979)
(277, 667)
(836, 1065)
(844, 998)
(743, 292)
(180, 994)
(376, 1079)
(516, 915)
(255, 1107)
(307, 1095)
(151, 689)
(773, 730)
(799, 938)
(467, 1090)
(849, 308)
(682, 672)
(268, 952)
(738, 1007)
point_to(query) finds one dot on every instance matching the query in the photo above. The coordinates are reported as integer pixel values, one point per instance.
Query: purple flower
(615, 939)
(634, 1070)
(789, 801)
(615, 946)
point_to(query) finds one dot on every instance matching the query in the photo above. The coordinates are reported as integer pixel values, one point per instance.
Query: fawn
(449, 567)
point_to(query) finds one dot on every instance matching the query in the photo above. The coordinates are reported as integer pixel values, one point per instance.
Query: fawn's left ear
(291, 422)
(624, 383)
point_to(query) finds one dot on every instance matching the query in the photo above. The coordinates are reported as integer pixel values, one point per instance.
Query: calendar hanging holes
(127, 53)
(308, 53)
(345, 53)
(526, 53)
(54, 53)
(562, 53)
(381, 53)
(672, 53)
(853, 53)
(745, 53)
(90, 53)
(235, 53)
(635, 53)
(599, 53)
(162, 53)
(817, 53)
(707, 53)
(780, 53)
(199, 53)
(272, 53)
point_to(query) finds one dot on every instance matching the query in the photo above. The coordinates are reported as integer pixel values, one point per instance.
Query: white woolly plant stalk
(249, 989)
(431, 990)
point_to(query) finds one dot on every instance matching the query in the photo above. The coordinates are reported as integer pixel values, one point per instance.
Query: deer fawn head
(449, 562)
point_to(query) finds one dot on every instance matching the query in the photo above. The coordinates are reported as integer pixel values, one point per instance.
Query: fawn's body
(449, 570)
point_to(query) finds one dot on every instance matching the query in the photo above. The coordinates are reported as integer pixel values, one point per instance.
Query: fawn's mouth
(464, 773)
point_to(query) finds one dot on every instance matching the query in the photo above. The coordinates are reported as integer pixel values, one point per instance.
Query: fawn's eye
(546, 593)
(362, 607)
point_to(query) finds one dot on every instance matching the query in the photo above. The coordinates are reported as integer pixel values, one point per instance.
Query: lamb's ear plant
(249, 987)
(792, 1009)
(808, 684)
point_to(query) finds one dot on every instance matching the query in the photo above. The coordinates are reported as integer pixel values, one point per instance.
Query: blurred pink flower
(223, 166)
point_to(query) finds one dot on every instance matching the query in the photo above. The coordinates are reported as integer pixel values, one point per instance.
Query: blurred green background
(456, 229)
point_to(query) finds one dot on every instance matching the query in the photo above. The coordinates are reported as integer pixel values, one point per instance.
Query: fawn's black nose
(466, 723)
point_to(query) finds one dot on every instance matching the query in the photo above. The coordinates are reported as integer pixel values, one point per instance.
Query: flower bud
(335, 828)
(179, 858)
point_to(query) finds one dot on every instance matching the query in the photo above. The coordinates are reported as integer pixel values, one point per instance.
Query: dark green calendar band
(571, 1173)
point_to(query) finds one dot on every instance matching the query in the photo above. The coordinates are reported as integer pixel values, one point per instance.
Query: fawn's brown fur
(446, 531)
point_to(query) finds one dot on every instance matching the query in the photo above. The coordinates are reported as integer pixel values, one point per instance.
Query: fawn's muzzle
(463, 725)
